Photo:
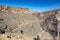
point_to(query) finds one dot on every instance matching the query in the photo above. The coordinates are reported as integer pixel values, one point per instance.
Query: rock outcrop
(50, 22)
(26, 25)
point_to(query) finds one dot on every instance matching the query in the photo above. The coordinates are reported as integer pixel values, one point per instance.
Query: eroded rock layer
(26, 25)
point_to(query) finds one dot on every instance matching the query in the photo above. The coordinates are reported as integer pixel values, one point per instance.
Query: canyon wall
(23, 22)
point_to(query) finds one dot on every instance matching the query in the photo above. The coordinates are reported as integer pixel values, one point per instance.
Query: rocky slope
(21, 24)
(50, 22)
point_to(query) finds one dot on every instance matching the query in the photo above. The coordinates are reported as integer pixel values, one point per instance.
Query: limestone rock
(21, 24)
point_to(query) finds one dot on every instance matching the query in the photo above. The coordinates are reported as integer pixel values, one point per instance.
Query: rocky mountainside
(50, 22)
(22, 24)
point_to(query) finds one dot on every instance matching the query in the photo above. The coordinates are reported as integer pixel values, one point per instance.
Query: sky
(33, 5)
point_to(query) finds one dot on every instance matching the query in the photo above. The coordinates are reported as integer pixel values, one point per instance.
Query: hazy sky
(35, 5)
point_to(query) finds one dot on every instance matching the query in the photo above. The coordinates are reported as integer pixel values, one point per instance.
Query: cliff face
(25, 23)
(50, 22)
